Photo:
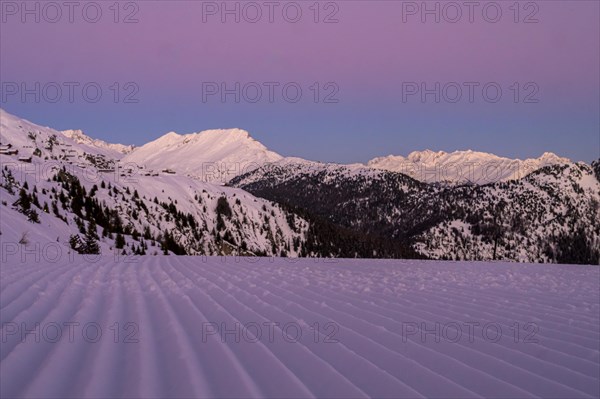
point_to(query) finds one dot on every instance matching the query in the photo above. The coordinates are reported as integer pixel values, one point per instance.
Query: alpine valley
(221, 192)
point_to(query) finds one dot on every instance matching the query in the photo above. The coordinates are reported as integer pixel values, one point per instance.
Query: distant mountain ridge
(463, 166)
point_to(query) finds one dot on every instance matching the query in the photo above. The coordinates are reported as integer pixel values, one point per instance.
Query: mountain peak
(552, 157)
(417, 156)
(233, 150)
(226, 135)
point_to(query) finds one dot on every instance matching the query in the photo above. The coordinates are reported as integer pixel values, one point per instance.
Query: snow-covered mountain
(463, 166)
(30, 140)
(119, 150)
(55, 189)
(211, 155)
(549, 215)
(71, 189)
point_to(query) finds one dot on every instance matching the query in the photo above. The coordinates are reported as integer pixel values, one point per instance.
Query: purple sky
(369, 53)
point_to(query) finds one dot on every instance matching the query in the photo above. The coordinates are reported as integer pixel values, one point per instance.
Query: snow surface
(180, 307)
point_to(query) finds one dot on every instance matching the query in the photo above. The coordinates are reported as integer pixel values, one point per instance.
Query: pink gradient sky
(369, 53)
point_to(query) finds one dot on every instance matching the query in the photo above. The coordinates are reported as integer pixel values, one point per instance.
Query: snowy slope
(211, 155)
(175, 327)
(548, 216)
(463, 166)
(64, 174)
(44, 143)
(151, 203)
(80, 137)
(290, 168)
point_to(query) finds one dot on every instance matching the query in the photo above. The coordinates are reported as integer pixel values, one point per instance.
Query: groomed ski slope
(175, 307)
